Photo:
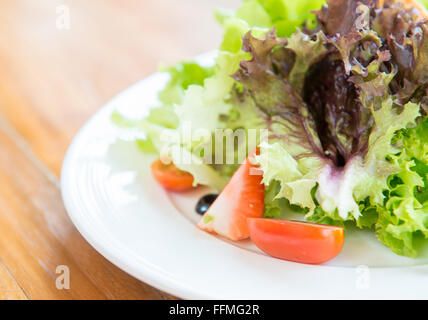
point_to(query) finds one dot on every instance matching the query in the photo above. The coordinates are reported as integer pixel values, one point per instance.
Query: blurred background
(60, 61)
(56, 78)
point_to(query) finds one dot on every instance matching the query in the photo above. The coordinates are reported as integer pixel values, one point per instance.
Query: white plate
(114, 202)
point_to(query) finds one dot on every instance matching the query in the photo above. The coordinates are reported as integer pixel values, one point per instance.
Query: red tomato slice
(170, 177)
(296, 241)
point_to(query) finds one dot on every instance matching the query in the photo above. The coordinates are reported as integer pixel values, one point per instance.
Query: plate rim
(148, 276)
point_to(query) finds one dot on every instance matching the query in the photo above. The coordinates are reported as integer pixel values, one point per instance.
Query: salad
(332, 100)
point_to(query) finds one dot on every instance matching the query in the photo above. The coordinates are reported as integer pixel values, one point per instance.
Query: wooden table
(51, 81)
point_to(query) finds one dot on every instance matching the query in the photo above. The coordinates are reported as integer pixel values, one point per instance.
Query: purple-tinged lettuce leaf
(340, 16)
(307, 52)
(282, 106)
(338, 101)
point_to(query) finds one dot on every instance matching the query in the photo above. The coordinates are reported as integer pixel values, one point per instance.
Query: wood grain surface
(51, 81)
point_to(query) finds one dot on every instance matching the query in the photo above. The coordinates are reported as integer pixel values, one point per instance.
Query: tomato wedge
(296, 241)
(170, 177)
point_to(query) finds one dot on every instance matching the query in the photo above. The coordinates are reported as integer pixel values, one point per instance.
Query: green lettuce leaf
(405, 215)
(261, 15)
(182, 75)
